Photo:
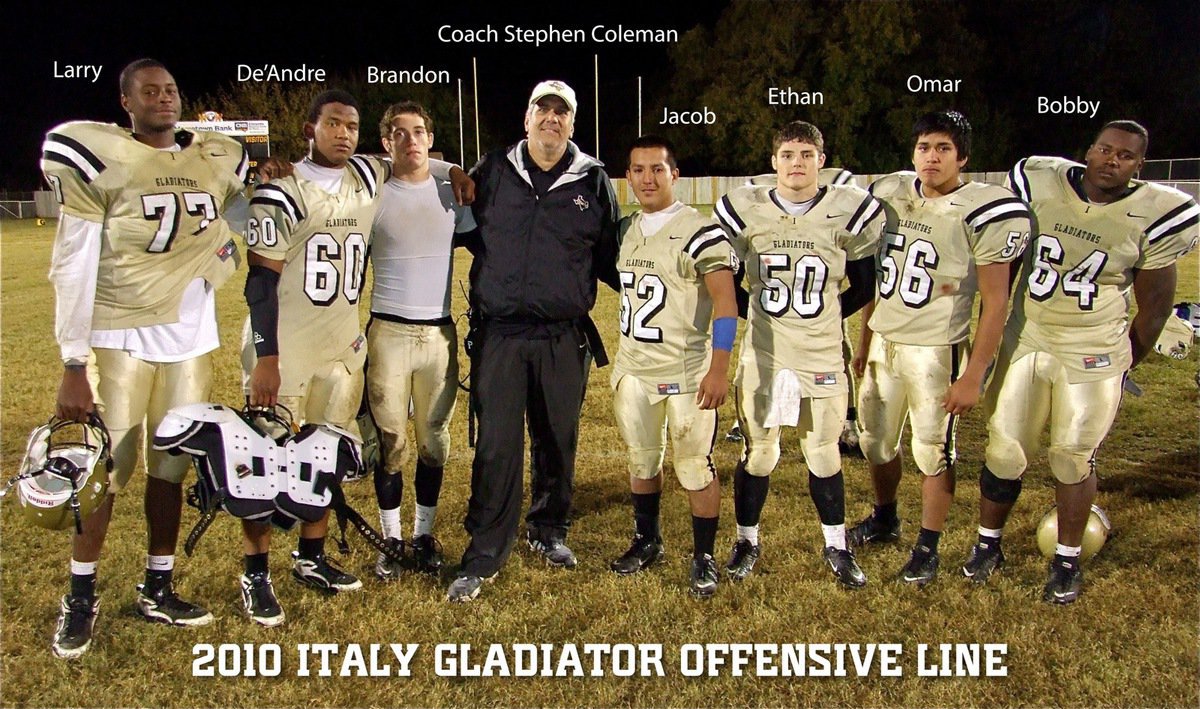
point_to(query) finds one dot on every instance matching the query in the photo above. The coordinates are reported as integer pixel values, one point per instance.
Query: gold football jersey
(665, 307)
(793, 267)
(161, 212)
(322, 239)
(1073, 294)
(826, 176)
(927, 279)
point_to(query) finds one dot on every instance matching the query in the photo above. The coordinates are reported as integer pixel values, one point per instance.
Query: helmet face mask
(64, 475)
(1095, 533)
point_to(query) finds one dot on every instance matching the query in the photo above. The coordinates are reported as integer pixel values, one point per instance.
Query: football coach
(547, 231)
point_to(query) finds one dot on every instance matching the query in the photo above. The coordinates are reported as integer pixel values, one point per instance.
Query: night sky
(202, 47)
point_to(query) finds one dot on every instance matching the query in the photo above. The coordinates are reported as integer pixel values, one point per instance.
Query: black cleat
(845, 568)
(554, 552)
(985, 560)
(163, 605)
(922, 566)
(703, 576)
(871, 531)
(76, 618)
(1065, 583)
(742, 559)
(258, 600)
(321, 575)
(735, 434)
(427, 554)
(643, 552)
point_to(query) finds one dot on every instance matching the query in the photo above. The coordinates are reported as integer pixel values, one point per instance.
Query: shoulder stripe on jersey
(1019, 181)
(1174, 221)
(274, 196)
(703, 239)
(729, 216)
(842, 178)
(868, 210)
(365, 173)
(70, 152)
(1003, 208)
(243, 168)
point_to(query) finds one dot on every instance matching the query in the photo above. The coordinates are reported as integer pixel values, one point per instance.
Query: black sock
(83, 585)
(158, 579)
(749, 496)
(829, 495)
(887, 514)
(704, 535)
(645, 514)
(428, 483)
(256, 563)
(851, 414)
(312, 549)
(928, 538)
(989, 541)
(389, 489)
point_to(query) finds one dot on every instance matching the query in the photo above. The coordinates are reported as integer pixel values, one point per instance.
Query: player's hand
(463, 186)
(264, 382)
(74, 396)
(713, 390)
(274, 169)
(858, 365)
(962, 396)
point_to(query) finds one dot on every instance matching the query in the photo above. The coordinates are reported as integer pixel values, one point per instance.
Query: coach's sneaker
(76, 618)
(466, 588)
(643, 552)
(1066, 580)
(703, 576)
(554, 552)
(985, 559)
(741, 561)
(321, 575)
(845, 568)
(922, 566)
(872, 531)
(258, 599)
(163, 605)
(427, 554)
(387, 568)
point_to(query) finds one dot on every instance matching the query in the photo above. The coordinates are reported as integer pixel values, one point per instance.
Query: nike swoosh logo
(674, 238)
(1135, 216)
(956, 204)
(834, 216)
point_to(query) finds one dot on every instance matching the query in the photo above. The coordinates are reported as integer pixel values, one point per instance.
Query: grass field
(1131, 640)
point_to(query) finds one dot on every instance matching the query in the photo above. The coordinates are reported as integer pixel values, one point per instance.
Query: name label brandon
(1068, 105)
(787, 96)
(685, 118)
(274, 72)
(78, 71)
(420, 75)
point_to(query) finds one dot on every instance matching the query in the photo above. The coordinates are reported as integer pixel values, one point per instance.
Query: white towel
(784, 408)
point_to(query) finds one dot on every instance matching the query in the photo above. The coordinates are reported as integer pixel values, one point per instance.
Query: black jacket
(537, 260)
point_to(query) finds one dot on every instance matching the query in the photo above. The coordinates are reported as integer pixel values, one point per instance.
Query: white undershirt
(796, 208)
(652, 222)
(411, 248)
(327, 178)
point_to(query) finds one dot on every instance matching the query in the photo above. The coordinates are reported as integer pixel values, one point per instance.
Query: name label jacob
(272, 72)
(77, 71)
(684, 118)
(787, 96)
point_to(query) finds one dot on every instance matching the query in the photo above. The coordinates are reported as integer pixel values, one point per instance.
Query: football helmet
(1175, 339)
(1095, 533)
(64, 474)
(1191, 313)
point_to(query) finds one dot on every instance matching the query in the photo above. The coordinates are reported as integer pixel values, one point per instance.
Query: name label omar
(1067, 105)
(685, 118)
(787, 96)
(77, 71)
(919, 84)
(274, 72)
(420, 75)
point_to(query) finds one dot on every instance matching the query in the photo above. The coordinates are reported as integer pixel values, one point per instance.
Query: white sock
(390, 521)
(835, 535)
(160, 563)
(1063, 550)
(750, 534)
(989, 533)
(423, 521)
(84, 568)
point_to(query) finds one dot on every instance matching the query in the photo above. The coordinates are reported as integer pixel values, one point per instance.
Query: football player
(1068, 346)
(411, 336)
(797, 242)
(951, 239)
(141, 247)
(676, 268)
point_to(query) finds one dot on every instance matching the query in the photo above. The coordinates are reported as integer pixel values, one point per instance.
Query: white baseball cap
(554, 87)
